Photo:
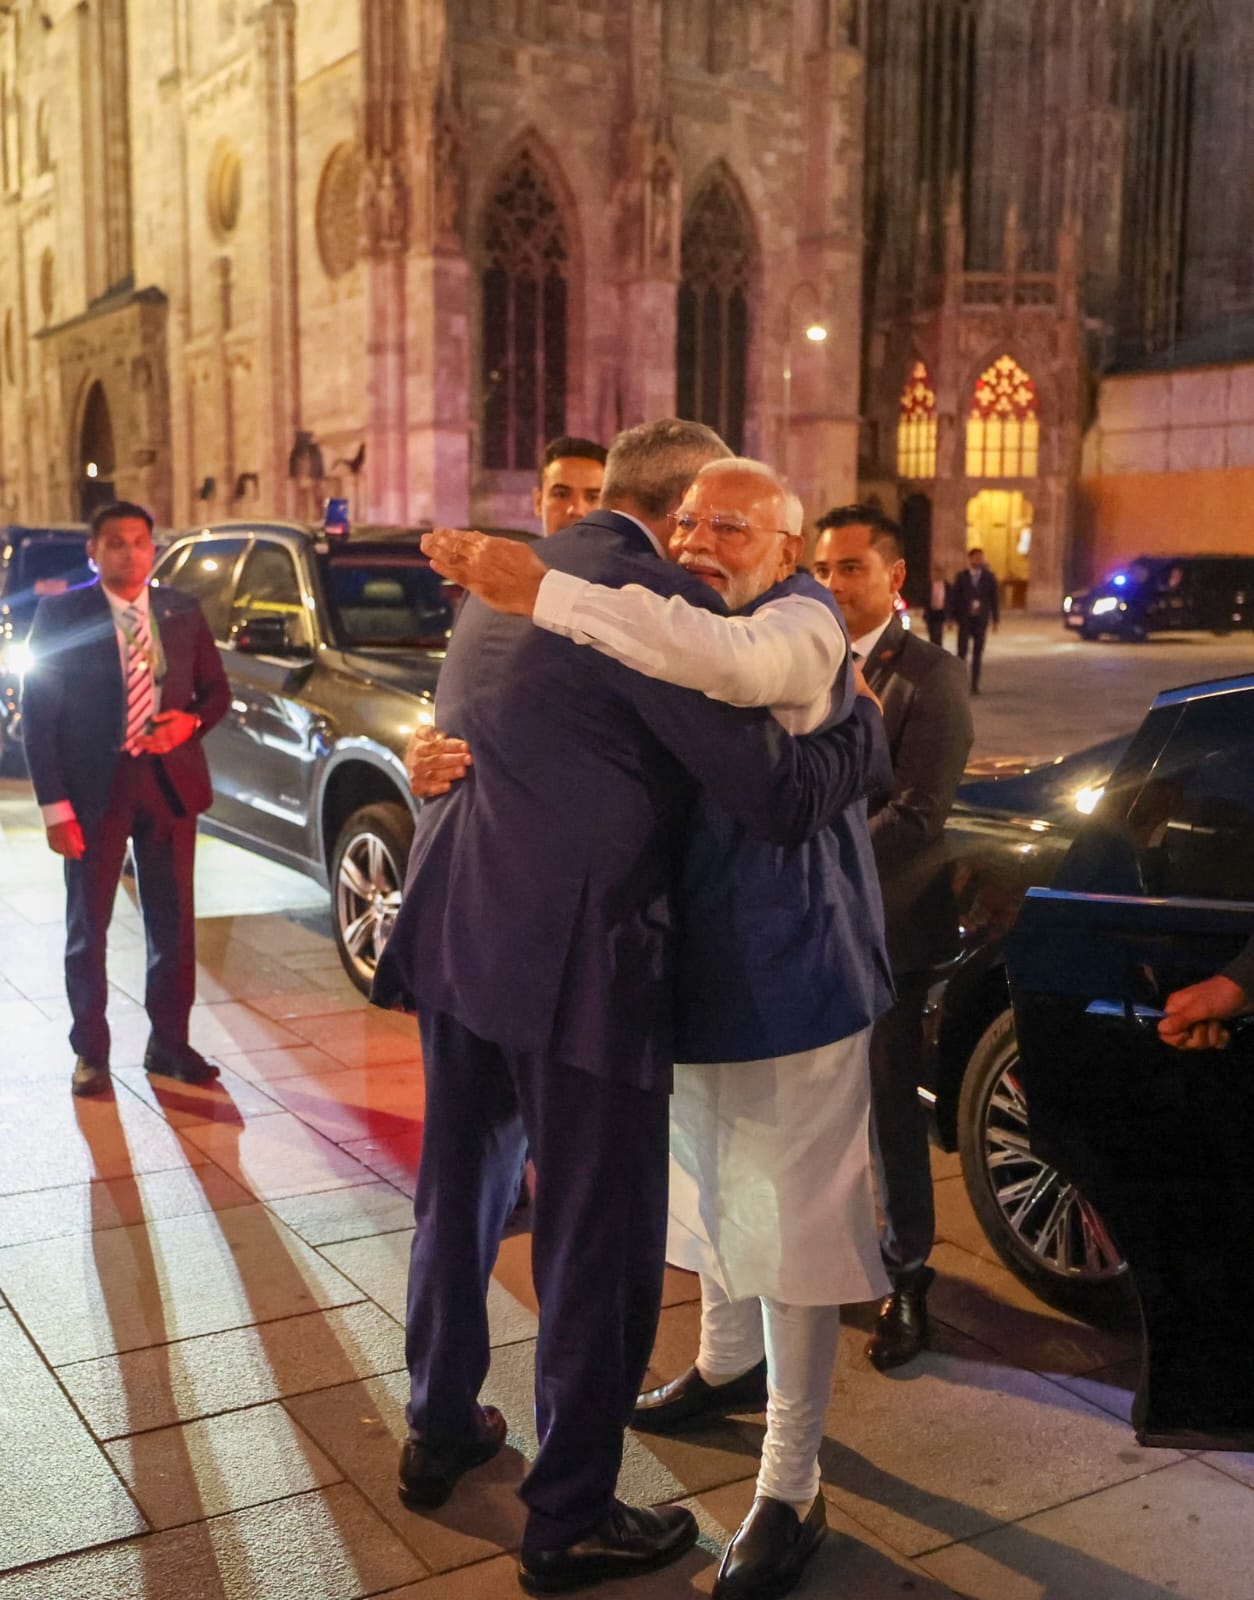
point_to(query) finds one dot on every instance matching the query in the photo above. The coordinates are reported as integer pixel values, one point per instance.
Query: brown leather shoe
(89, 1078)
(429, 1472)
(690, 1402)
(900, 1331)
(769, 1550)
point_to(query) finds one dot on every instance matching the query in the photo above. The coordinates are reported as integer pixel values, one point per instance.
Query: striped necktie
(139, 689)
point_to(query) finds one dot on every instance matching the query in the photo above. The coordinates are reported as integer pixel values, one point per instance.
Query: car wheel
(1089, 632)
(367, 876)
(1038, 1222)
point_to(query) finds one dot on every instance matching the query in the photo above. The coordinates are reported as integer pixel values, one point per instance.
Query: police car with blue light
(1161, 594)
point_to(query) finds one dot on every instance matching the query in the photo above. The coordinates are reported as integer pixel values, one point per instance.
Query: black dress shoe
(690, 1402)
(428, 1472)
(901, 1328)
(178, 1061)
(89, 1079)
(770, 1548)
(631, 1540)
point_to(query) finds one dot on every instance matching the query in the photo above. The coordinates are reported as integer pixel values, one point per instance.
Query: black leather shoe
(429, 1473)
(901, 1328)
(690, 1402)
(178, 1061)
(770, 1548)
(89, 1079)
(631, 1540)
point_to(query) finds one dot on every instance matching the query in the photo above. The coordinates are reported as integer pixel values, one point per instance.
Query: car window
(388, 599)
(46, 566)
(1191, 821)
(206, 573)
(269, 587)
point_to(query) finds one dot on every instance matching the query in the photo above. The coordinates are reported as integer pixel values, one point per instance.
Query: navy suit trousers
(164, 843)
(598, 1246)
(899, 1135)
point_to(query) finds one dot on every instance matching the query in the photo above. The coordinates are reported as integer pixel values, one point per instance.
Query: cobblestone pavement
(202, 1291)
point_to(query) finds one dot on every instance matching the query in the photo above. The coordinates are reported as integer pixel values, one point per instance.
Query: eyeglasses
(734, 530)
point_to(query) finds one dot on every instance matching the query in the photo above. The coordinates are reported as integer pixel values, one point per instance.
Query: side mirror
(266, 636)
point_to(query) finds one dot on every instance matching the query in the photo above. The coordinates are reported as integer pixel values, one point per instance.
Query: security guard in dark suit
(928, 719)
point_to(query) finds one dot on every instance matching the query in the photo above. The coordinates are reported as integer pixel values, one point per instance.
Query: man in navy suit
(537, 941)
(126, 681)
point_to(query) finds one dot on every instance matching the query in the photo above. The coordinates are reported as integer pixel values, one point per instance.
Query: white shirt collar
(647, 531)
(867, 642)
(117, 605)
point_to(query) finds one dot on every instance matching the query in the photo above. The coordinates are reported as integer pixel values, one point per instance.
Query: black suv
(33, 562)
(1157, 894)
(1157, 594)
(332, 648)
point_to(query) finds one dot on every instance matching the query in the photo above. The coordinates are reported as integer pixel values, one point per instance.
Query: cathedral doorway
(95, 454)
(999, 522)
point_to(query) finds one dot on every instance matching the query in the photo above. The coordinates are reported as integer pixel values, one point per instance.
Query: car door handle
(1146, 1016)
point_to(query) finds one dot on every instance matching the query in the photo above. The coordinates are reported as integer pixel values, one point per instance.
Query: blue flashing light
(1119, 579)
(335, 518)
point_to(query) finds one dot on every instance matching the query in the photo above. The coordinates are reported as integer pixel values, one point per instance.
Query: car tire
(367, 877)
(1089, 633)
(1036, 1220)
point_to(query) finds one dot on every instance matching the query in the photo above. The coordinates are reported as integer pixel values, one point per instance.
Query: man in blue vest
(537, 941)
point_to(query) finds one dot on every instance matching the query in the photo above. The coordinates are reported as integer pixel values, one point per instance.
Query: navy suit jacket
(976, 595)
(927, 715)
(538, 905)
(781, 948)
(74, 699)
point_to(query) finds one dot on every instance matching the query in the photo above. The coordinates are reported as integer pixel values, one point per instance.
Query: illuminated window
(1003, 431)
(524, 287)
(916, 426)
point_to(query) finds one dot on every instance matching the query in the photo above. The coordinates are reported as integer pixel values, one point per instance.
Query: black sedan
(33, 562)
(1155, 895)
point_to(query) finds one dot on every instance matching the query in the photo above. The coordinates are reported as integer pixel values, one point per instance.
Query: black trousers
(899, 1140)
(164, 843)
(935, 626)
(971, 634)
(598, 1242)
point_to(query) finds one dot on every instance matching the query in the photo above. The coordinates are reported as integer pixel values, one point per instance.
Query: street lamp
(815, 333)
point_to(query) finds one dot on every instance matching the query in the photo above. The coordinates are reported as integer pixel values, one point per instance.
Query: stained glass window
(524, 287)
(916, 426)
(712, 323)
(1003, 430)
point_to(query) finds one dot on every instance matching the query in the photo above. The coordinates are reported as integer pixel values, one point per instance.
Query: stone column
(276, 30)
(823, 404)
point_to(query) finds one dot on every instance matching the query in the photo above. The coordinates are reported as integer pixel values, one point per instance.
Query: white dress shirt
(863, 645)
(63, 810)
(785, 656)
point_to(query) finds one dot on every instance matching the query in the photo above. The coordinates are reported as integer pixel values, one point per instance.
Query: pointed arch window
(716, 270)
(524, 288)
(1003, 430)
(916, 426)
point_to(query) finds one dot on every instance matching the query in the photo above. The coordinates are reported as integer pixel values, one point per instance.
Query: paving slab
(361, 1038)
(394, 1159)
(49, 1138)
(1182, 1533)
(982, 1298)
(58, 1490)
(229, 1098)
(305, 998)
(220, 1372)
(259, 1066)
(958, 1442)
(225, 1463)
(103, 1293)
(379, 1266)
(334, 1215)
(277, 1155)
(382, 1101)
(231, 1026)
(1109, 1388)
(326, 1545)
(117, 1203)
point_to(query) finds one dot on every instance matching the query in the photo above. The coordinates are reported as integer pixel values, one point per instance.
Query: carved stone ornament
(447, 181)
(385, 205)
(663, 204)
(338, 223)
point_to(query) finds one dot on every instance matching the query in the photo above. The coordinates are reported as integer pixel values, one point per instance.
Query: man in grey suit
(928, 720)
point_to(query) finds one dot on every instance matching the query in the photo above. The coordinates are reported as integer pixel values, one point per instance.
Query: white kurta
(771, 1192)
